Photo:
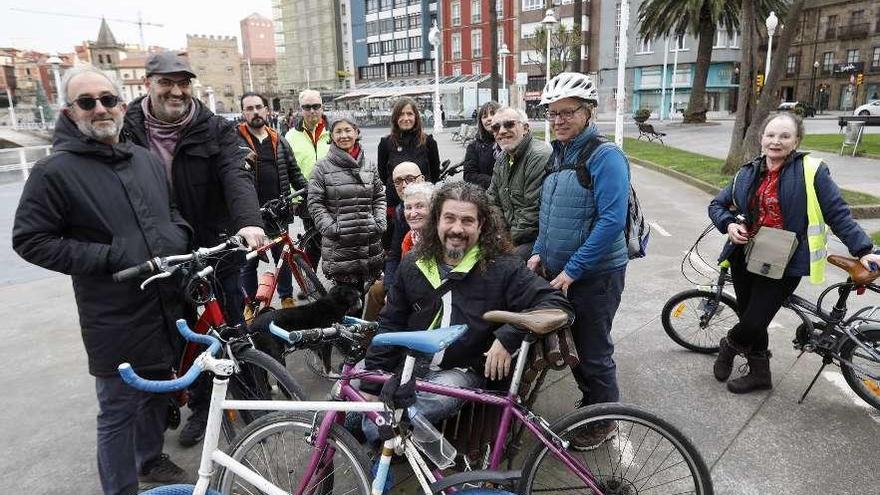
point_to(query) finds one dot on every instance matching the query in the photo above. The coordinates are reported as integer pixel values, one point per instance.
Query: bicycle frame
(289, 252)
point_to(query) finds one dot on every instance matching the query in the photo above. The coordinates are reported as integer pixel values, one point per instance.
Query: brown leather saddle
(539, 321)
(855, 269)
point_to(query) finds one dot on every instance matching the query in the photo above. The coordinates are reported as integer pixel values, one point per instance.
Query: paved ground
(758, 444)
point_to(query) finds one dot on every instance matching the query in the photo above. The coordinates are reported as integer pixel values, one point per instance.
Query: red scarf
(355, 151)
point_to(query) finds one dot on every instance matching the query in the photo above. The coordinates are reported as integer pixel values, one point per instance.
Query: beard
(100, 133)
(166, 113)
(257, 122)
(455, 253)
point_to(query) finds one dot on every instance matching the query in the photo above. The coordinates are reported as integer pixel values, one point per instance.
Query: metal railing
(22, 159)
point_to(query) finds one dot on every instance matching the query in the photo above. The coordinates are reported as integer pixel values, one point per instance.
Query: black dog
(321, 313)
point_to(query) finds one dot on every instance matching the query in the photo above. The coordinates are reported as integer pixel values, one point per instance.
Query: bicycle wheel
(866, 387)
(308, 280)
(645, 455)
(260, 377)
(695, 319)
(278, 447)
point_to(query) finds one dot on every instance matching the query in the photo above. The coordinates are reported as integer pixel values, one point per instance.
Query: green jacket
(306, 153)
(515, 190)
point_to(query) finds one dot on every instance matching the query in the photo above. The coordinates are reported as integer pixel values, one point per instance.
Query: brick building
(258, 70)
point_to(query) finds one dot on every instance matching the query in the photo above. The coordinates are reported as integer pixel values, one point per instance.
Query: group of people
(530, 226)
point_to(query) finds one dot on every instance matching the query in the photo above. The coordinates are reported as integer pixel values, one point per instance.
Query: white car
(870, 108)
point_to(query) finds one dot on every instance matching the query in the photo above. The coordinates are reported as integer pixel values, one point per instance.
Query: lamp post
(12, 120)
(56, 61)
(813, 83)
(42, 117)
(771, 23)
(504, 53)
(621, 73)
(434, 39)
(549, 21)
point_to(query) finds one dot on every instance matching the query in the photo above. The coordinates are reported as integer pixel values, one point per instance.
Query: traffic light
(759, 80)
(860, 78)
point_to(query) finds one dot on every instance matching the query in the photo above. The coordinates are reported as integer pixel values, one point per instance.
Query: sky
(55, 33)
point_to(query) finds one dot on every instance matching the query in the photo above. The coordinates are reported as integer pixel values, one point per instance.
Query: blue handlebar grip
(351, 320)
(874, 266)
(191, 336)
(281, 333)
(158, 386)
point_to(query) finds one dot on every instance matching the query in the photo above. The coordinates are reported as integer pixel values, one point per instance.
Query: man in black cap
(210, 181)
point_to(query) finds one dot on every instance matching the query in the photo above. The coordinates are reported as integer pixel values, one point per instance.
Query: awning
(351, 95)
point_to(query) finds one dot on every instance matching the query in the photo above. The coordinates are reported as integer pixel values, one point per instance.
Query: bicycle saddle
(427, 341)
(539, 321)
(856, 271)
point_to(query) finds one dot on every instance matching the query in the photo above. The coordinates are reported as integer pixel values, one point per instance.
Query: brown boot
(758, 377)
(724, 362)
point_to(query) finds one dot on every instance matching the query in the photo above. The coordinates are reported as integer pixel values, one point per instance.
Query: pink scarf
(163, 136)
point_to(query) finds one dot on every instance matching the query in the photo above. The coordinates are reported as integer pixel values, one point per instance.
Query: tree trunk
(576, 61)
(696, 109)
(493, 47)
(746, 88)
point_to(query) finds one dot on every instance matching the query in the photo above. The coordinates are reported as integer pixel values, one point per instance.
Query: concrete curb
(858, 212)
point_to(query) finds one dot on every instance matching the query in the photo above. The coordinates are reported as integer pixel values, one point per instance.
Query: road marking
(839, 381)
(656, 226)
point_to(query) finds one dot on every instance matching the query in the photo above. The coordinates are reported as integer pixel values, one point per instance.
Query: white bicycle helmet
(570, 85)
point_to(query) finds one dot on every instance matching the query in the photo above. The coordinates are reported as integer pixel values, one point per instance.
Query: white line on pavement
(656, 226)
(839, 381)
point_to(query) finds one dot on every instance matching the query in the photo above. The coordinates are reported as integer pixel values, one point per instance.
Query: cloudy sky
(180, 17)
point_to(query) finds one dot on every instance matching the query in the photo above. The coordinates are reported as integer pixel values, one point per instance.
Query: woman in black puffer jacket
(479, 159)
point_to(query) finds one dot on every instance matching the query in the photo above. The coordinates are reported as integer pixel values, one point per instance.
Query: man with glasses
(96, 206)
(515, 189)
(275, 173)
(210, 181)
(310, 140)
(581, 246)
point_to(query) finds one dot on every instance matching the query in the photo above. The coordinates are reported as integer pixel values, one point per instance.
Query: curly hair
(494, 241)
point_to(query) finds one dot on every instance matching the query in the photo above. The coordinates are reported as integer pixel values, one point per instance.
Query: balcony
(830, 33)
(853, 31)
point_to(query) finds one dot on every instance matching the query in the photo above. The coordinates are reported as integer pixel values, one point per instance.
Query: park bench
(647, 130)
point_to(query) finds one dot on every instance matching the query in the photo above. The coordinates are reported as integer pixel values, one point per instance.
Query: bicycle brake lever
(155, 277)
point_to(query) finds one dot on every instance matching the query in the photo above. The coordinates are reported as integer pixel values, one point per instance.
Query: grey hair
(521, 115)
(309, 92)
(425, 189)
(80, 69)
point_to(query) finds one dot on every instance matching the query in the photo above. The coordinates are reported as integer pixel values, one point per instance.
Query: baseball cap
(168, 63)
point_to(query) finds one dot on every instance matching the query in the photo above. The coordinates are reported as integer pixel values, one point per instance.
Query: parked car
(870, 108)
(803, 109)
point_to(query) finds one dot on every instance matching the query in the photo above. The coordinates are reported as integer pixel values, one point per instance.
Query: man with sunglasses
(581, 246)
(310, 140)
(96, 206)
(515, 189)
(210, 180)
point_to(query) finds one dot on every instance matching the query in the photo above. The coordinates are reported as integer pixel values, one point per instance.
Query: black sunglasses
(316, 106)
(88, 103)
(508, 124)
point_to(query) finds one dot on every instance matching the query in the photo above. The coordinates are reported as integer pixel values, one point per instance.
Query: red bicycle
(257, 375)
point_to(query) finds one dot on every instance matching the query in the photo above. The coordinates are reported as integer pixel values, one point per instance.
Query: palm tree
(699, 18)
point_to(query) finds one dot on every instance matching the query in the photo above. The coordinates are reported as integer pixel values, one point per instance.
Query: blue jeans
(249, 277)
(434, 407)
(595, 301)
(131, 432)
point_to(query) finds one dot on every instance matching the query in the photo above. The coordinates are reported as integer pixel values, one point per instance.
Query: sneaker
(161, 470)
(194, 430)
(248, 313)
(593, 436)
(288, 302)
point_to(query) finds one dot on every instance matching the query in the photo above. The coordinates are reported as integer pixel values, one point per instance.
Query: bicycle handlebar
(130, 377)
(349, 329)
(168, 263)
(134, 271)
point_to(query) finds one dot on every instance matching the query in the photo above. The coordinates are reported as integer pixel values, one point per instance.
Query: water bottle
(430, 441)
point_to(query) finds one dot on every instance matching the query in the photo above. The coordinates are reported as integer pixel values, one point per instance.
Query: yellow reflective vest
(817, 231)
(305, 151)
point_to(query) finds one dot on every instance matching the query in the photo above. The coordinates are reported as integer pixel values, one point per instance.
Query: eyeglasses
(314, 107)
(170, 83)
(563, 114)
(254, 108)
(407, 179)
(88, 103)
(508, 124)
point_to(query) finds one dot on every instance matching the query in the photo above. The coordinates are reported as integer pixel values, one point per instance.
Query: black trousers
(759, 299)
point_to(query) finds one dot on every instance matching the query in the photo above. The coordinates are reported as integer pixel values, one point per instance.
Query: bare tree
(563, 42)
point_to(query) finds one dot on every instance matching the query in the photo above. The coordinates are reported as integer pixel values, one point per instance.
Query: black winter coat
(212, 186)
(89, 210)
(506, 284)
(479, 161)
(391, 153)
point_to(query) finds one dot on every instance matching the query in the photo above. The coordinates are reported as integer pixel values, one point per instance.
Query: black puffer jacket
(393, 152)
(212, 185)
(89, 210)
(347, 203)
(479, 161)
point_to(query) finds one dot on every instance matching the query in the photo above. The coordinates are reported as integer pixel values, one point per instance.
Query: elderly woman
(783, 189)
(479, 159)
(347, 202)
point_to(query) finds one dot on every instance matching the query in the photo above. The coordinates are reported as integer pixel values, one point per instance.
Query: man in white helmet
(581, 247)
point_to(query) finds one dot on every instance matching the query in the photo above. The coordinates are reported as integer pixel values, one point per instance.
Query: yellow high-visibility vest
(817, 232)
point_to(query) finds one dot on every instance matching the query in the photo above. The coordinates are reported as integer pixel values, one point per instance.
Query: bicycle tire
(266, 446)
(259, 377)
(676, 467)
(699, 336)
(311, 285)
(865, 387)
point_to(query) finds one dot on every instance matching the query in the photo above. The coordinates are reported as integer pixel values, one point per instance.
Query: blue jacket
(581, 231)
(793, 203)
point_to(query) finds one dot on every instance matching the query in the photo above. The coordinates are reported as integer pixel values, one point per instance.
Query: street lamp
(772, 22)
(12, 120)
(42, 117)
(56, 61)
(504, 53)
(434, 39)
(548, 22)
(813, 83)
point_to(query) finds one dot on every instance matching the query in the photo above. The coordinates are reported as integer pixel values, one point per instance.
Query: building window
(828, 62)
(386, 5)
(387, 25)
(373, 49)
(680, 44)
(372, 6)
(387, 47)
(456, 46)
(342, 7)
(456, 69)
(455, 9)
(532, 5)
(415, 43)
(734, 40)
(400, 23)
(477, 68)
(852, 56)
(401, 45)
(499, 8)
(875, 58)
(644, 46)
(476, 43)
(791, 65)
(476, 6)
(500, 35)
(415, 21)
